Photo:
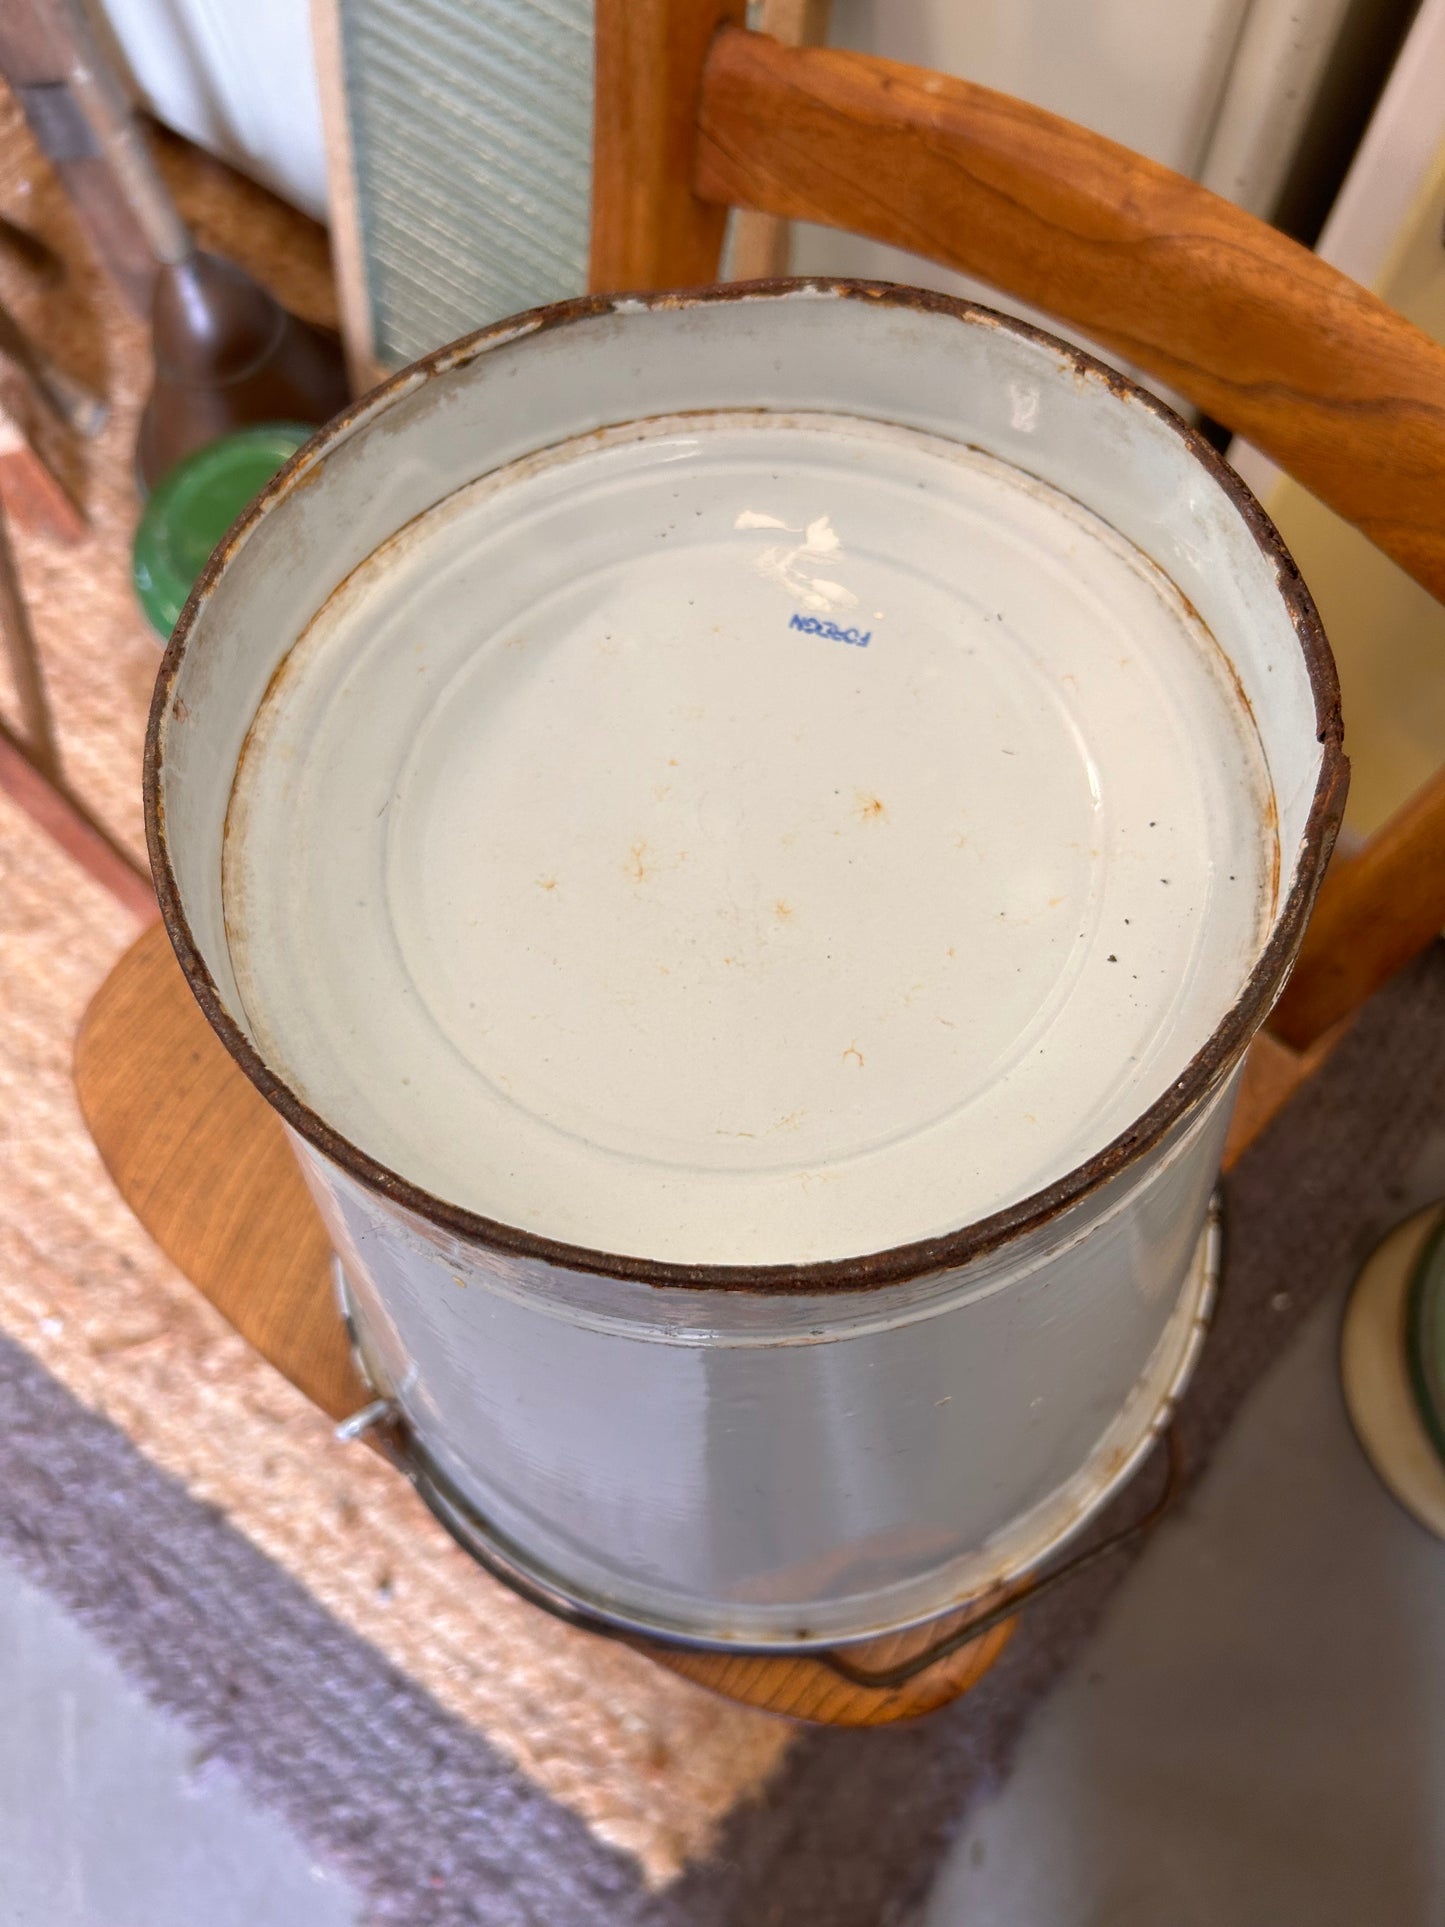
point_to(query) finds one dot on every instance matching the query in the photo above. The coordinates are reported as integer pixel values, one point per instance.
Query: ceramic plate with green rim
(194, 505)
(1394, 1317)
(1425, 1336)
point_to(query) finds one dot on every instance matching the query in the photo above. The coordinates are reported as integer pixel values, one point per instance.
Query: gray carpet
(421, 1814)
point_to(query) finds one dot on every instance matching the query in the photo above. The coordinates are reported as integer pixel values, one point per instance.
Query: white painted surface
(1143, 73)
(1395, 157)
(239, 80)
(729, 1463)
(1280, 59)
(1388, 175)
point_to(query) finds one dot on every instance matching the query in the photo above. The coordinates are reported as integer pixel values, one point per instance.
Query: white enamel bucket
(743, 1417)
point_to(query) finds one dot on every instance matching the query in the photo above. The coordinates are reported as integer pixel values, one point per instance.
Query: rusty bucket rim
(898, 1264)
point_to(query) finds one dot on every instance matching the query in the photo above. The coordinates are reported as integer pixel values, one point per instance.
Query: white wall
(235, 76)
(1215, 88)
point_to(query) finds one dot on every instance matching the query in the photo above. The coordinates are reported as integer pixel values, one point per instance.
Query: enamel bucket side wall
(739, 1468)
(779, 1457)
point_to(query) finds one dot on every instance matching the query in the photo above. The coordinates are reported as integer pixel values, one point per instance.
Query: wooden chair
(696, 114)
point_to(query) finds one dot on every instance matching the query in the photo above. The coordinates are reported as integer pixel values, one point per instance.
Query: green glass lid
(193, 506)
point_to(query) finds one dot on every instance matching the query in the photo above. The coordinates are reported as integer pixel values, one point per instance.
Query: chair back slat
(1344, 393)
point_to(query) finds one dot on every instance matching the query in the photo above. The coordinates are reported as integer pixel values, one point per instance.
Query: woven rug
(461, 1757)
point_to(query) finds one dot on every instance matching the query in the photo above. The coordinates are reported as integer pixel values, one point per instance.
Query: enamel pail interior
(746, 835)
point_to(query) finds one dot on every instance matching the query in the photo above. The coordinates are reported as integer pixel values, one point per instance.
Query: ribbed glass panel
(471, 127)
